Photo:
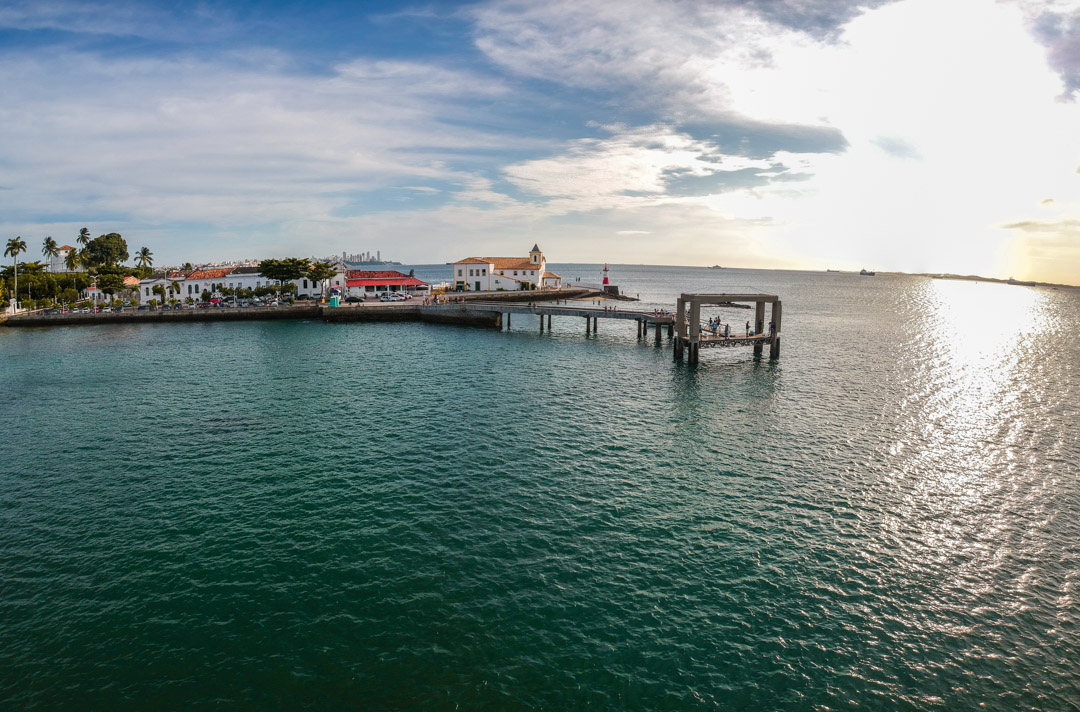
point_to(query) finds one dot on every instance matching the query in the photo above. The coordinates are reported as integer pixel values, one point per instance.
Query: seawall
(448, 314)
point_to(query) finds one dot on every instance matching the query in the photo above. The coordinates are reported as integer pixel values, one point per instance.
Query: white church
(491, 274)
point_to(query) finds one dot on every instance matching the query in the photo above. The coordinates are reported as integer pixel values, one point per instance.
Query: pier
(690, 337)
(591, 315)
(684, 325)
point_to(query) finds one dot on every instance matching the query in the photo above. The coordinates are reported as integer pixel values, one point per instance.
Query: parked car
(353, 300)
(142, 307)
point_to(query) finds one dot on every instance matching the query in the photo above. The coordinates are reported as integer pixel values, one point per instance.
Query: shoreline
(363, 312)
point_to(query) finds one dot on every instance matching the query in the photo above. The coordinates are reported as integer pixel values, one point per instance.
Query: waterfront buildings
(194, 283)
(375, 283)
(480, 274)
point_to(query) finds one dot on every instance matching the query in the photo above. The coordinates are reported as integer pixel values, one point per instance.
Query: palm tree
(144, 257)
(84, 237)
(72, 261)
(14, 246)
(49, 250)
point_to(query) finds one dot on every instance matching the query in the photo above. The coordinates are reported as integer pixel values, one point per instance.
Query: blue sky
(907, 134)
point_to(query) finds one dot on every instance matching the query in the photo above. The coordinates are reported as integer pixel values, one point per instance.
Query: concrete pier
(684, 327)
(690, 337)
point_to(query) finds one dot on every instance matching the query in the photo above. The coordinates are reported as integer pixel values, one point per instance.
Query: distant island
(977, 278)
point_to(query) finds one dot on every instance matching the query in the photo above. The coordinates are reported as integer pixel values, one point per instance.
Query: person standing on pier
(748, 329)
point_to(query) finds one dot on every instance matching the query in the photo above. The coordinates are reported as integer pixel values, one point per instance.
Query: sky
(909, 135)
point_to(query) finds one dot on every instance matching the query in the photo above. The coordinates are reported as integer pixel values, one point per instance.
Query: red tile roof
(511, 263)
(402, 281)
(210, 273)
(374, 274)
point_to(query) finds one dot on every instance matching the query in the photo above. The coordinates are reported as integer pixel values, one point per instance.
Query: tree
(187, 267)
(110, 283)
(321, 272)
(49, 248)
(105, 251)
(144, 257)
(159, 289)
(175, 286)
(14, 246)
(72, 261)
(287, 270)
(84, 237)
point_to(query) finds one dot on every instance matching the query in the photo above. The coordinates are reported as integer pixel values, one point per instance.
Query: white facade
(505, 273)
(56, 262)
(146, 287)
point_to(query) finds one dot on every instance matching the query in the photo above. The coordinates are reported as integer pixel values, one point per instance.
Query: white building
(57, 262)
(489, 274)
(165, 279)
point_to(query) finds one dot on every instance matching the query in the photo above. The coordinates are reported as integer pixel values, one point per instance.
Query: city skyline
(901, 136)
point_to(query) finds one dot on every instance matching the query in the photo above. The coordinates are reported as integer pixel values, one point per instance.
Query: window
(483, 272)
(459, 273)
(305, 284)
(148, 291)
(515, 273)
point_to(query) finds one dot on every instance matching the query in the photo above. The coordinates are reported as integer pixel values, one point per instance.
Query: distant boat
(716, 267)
(864, 273)
(832, 270)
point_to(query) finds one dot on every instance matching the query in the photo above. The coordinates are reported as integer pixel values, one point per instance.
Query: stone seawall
(447, 314)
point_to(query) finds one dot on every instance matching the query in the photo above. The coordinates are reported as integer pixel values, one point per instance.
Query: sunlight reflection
(973, 382)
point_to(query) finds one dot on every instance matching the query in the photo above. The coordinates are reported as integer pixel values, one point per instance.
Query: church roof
(510, 262)
(536, 247)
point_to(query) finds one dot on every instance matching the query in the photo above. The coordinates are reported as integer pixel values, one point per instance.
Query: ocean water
(408, 516)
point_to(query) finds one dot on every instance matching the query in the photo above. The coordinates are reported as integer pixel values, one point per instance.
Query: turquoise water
(408, 516)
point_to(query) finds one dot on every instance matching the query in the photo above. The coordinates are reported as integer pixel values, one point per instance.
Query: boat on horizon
(865, 273)
(716, 267)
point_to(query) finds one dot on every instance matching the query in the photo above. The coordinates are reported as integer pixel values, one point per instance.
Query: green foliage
(110, 283)
(144, 257)
(206, 295)
(189, 300)
(69, 296)
(15, 246)
(284, 270)
(321, 271)
(105, 251)
(49, 248)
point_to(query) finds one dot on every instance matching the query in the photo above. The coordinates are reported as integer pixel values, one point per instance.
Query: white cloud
(640, 160)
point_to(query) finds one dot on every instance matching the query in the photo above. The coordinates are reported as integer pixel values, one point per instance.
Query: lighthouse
(605, 282)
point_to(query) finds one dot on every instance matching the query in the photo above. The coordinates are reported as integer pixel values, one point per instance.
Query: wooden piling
(759, 324)
(774, 348)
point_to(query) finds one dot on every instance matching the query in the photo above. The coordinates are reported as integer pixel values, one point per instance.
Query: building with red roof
(487, 274)
(374, 283)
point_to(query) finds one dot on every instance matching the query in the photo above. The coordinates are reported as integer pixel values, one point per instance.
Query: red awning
(386, 282)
